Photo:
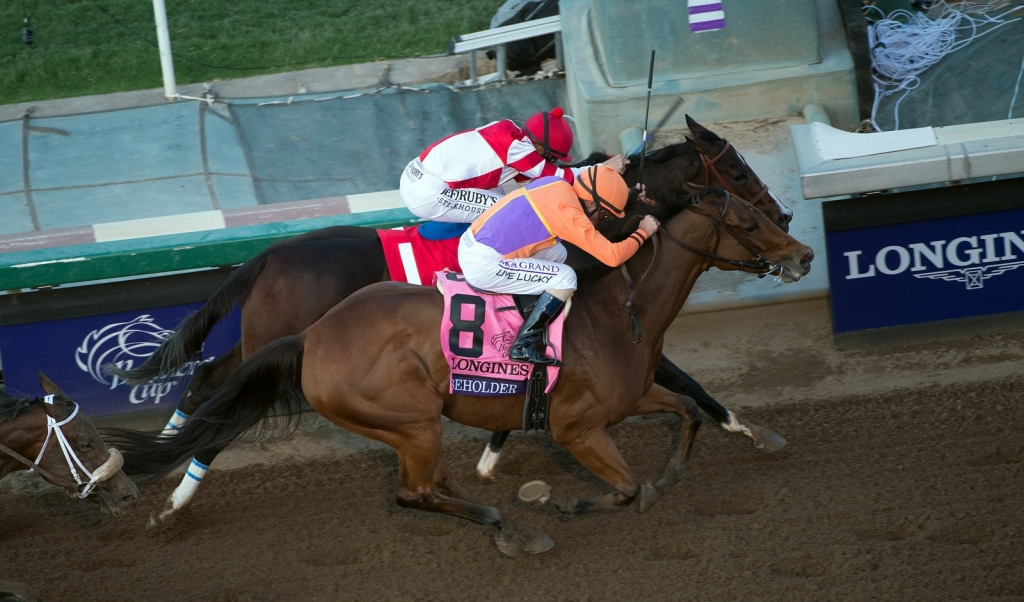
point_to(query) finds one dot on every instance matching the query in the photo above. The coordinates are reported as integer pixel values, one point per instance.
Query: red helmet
(552, 132)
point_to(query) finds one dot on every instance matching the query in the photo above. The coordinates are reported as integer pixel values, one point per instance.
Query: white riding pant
(486, 269)
(429, 197)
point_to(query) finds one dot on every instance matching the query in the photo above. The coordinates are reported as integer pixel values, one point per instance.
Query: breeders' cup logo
(128, 344)
(503, 342)
(967, 259)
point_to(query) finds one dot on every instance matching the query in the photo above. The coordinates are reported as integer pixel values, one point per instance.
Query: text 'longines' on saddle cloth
(477, 331)
(413, 255)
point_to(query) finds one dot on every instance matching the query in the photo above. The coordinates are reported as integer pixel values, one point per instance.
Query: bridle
(762, 266)
(710, 169)
(83, 488)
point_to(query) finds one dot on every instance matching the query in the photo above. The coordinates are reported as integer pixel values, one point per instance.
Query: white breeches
(486, 269)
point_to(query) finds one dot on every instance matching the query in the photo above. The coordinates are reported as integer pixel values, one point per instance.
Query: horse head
(726, 167)
(745, 238)
(113, 491)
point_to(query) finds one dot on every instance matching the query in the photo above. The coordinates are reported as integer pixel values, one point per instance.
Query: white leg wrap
(489, 460)
(189, 483)
(175, 423)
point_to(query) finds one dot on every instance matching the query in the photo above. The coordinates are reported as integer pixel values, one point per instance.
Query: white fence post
(163, 38)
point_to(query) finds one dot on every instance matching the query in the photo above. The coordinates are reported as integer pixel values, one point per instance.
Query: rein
(33, 466)
(636, 333)
(762, 266)
(104, 472)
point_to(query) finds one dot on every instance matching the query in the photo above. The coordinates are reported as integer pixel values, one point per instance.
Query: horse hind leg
(657, 400)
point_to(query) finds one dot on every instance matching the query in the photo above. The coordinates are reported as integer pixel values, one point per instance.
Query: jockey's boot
(529, 345)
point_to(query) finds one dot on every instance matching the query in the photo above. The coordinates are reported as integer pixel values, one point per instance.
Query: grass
(87, 47)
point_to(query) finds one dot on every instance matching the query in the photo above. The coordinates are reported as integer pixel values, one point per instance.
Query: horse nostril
(806, 260)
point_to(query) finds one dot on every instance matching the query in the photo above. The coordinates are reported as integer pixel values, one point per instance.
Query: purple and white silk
(706, 15)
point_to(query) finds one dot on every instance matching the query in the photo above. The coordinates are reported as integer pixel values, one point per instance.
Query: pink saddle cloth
(477, 332)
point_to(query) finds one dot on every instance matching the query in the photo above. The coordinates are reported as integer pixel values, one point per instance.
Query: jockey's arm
(575, 227)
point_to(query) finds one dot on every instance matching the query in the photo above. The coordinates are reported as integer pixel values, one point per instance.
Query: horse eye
(85, 444)
(752, 229)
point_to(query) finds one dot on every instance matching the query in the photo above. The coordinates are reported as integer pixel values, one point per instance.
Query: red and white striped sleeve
(526, 160)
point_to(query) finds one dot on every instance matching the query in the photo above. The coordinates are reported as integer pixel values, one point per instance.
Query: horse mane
(12, 406)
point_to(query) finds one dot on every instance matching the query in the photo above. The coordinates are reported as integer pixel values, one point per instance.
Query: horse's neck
(665, 288)
(674, 272)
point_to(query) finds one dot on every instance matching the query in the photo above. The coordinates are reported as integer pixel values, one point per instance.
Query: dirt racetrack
(890, 489)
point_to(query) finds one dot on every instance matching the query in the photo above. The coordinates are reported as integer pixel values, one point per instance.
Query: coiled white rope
(906, 44)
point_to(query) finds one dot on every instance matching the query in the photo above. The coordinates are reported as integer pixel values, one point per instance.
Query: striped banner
(706, 15)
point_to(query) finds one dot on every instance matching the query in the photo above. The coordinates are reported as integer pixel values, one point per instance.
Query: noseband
(709, 169)
(104, 472)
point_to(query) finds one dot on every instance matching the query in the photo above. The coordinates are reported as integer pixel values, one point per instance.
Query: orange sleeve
(576, 228)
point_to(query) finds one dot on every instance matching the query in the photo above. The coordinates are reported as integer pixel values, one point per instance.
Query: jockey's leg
(429, 197)
(486, 269)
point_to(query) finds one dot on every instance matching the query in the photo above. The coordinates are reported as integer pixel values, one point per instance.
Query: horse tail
(270, 377)
(187, 340)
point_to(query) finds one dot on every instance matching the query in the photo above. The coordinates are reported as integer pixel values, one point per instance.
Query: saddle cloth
(413, 256)
(477, 332)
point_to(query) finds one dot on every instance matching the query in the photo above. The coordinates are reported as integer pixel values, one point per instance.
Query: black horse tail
(187, 340)
(245, 399)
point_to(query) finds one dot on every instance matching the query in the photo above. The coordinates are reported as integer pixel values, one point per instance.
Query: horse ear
(704, 148)
(48, 386)
(692, 188)
(694, 126)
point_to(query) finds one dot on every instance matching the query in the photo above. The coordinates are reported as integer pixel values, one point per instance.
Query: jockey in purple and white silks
(515, 248)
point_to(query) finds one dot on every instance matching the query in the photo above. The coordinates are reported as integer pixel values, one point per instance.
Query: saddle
(477, 332)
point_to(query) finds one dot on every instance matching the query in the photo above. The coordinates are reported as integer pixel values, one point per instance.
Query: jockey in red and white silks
(457, 178)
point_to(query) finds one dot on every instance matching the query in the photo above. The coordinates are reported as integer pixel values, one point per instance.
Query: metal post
(502, 72)
(472, 67)
(164, 41)
(559, 59)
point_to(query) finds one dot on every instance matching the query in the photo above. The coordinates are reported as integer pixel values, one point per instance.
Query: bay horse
(294, 282)
(373, 365)
(55, 438)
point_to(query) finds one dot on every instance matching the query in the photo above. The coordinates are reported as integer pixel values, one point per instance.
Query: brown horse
(56, 439)
(373, 365)
(294, 282)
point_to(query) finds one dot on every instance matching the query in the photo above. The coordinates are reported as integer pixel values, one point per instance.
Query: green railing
(158, 254)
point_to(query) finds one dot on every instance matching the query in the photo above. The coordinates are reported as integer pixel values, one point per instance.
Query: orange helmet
(552, 132)
(604, 186)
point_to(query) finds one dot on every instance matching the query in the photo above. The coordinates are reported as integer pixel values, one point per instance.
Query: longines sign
(909, 272)
(73, 351)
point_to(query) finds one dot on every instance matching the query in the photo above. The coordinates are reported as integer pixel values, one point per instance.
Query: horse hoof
(539, 544)
(770, 441)
(535, 492)
(511, 546)
(648, 496)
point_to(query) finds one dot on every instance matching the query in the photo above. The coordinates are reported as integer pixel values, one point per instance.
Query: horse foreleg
(597, 452)
(669, 375)
(658, 400)
(426, 483)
